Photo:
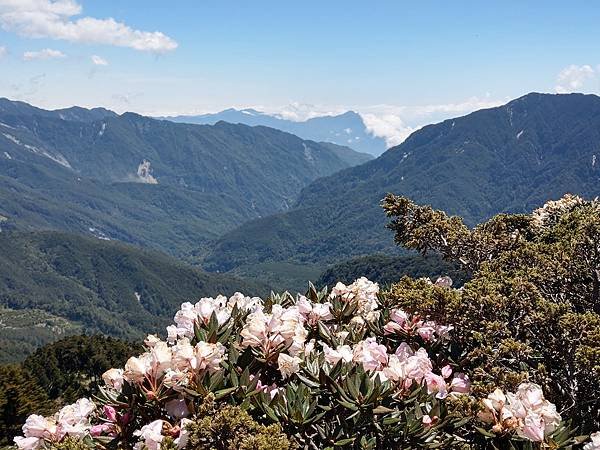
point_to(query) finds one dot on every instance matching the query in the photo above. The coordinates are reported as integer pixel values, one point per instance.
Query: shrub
(499, 363)
(531, 309)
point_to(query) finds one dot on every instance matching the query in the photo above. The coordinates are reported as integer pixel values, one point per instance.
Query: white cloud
(299, 112)
(3, 51)
(55, 19)
(395, 123)
(99, 61)
(573, 78)
(44, 54)
(387, 126)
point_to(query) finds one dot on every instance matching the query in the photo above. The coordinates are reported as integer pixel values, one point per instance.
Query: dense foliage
(20, 396)
(531, 310)
(86, 284)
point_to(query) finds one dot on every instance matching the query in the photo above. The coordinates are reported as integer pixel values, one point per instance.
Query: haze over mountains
(507, 159)
(346, 129)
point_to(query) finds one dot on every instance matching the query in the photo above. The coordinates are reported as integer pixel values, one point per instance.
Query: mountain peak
(346, 129)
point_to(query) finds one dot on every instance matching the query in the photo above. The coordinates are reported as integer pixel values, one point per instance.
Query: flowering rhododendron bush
(506, 361)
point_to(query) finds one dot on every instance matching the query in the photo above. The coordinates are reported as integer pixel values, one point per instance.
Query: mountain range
(347, 129)
(155, 183)
(510, 158)
(248, 201)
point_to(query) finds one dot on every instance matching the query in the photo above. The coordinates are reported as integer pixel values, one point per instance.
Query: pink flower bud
(98, 430)
(110, 413)
(446, 371)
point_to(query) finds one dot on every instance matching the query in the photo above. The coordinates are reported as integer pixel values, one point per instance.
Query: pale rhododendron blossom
(363, 292)
(341, 353)
(406, 367)
(314, 312)
(136, 368)
(151, 340)
(39, 427)
(460, 384)
(418, 365)
(436, 385)
(30, 443)
(446, 371)
(176, 379)
(282, 329)
(72, 420)
(150, 436)
(183, 355)
(209, 356)
(526, 412)
(594, 443)
(401, 323)
(370, 354)
(160, 359)
(110, 413)
(113, 378)
(288, 365)
(244, 303)
(203, 310)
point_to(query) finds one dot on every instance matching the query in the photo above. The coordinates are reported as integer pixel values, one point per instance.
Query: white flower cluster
(404, 367)
(168, 365)
(202, 311)
(281, 329)
(72, 420)
(364, 293)
(527, 412)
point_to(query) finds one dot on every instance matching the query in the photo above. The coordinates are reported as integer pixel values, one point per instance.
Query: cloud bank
(55, 19)
(573, 78)
(44, 54)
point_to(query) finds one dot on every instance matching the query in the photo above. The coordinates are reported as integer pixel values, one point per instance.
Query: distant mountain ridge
(74, 113)
(347, 129)
(165, 185)
(510, 158)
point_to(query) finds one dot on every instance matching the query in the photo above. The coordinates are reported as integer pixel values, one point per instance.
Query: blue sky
(400, 64)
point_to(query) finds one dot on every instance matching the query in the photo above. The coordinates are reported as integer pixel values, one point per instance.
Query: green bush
(531, 309)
